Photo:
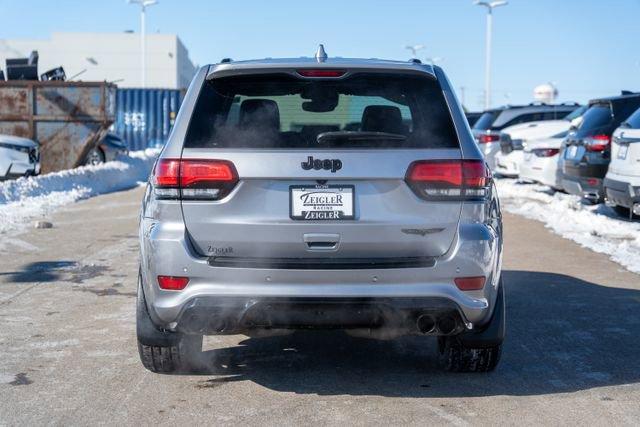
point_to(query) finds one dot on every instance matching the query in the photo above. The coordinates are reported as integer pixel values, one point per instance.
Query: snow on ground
(25, 200)
(596, 227)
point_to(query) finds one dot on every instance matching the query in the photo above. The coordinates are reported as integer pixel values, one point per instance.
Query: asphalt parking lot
(69, 355)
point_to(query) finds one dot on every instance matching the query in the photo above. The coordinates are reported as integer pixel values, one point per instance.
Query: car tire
(174, 352)
(179, 358)
(622, 211)
(95, 157)
(457, 358)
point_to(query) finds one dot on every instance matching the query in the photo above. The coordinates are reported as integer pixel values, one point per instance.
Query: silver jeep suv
(320, 193)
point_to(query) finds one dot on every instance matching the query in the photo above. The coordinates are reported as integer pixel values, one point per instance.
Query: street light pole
(143, 35)
(487, 65)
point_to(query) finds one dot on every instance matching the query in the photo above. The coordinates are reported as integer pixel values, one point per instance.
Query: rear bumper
(231, 315)
(543, 170)
(582, 186)
(621, 193)
(240, 292)
(509, 164)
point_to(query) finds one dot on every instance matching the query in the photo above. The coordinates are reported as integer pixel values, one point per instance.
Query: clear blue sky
(588, 48)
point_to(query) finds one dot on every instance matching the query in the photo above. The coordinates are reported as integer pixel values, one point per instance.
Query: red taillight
(546, 152)
(597, 143)
(195, 173)
(194, 178)
(321, 73)
(449, 179)
(167, 173)
(440, 173)
(469, 283)
(485, 138)
(172, 283)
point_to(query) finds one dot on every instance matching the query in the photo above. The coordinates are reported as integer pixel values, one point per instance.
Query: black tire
(180, 358)
(457, 358)
(622, 211)
(172, 352)
(95, 157)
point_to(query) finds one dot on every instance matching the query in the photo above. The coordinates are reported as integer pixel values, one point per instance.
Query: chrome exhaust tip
(425, 324)
(446, 325)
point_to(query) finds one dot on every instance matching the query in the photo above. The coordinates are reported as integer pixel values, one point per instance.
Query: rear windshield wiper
(359, 136)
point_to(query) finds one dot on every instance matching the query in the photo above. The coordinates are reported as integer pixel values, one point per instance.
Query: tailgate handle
(321, 241)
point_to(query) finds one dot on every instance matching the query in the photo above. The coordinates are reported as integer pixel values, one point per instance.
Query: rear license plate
(321, 202)
(572, 151)
(622, 152)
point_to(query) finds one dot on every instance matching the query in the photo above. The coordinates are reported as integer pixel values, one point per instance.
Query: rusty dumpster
(66, 118)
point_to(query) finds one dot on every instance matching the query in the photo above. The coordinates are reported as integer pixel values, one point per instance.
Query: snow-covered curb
(27, 199)
(595, 227)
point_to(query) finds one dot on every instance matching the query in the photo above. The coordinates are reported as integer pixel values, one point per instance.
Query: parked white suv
(622, 182)
(18, 157)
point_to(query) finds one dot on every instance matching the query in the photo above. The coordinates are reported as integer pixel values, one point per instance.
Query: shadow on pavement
(563, 335)
(43, 271)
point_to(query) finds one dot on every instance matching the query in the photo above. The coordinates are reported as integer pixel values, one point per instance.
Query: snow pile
(25, 199)
(596, 227)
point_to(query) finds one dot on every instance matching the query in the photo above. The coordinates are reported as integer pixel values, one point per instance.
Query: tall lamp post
(143, 35)
(490, 5)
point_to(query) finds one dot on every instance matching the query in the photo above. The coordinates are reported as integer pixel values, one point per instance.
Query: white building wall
(114, 57)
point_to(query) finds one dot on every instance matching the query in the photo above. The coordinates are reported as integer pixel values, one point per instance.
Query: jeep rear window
(361, 111)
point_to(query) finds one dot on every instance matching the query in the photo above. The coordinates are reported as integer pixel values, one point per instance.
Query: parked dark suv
(586, 152)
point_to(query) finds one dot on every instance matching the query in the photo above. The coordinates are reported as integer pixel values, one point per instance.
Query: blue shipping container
(144, 117)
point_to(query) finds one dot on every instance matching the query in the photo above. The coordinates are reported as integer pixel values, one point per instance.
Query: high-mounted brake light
(172, 283)
(321, 73)
(597, 143)
(194, 179)
(449, 179)
(486, 138)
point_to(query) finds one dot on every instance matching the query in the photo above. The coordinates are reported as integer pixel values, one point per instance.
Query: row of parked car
(21, 156)
(592, 151)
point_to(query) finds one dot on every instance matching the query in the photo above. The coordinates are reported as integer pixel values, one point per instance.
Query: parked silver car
(108, 149)
(321, 193)
(18, 157)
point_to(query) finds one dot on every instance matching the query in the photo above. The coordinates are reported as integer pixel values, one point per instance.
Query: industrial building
(114, 57)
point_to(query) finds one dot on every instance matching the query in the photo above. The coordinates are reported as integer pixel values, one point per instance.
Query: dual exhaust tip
(425, 323)
(207, 324)
(445, 325)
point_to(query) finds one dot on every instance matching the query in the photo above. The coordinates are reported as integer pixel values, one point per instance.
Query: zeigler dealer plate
(321, 202)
